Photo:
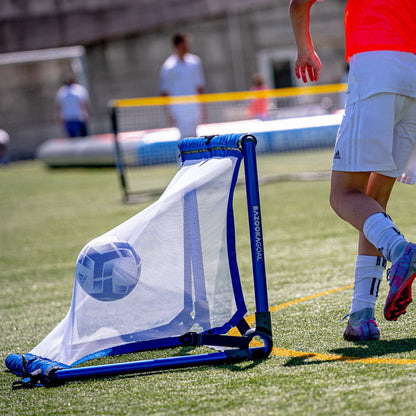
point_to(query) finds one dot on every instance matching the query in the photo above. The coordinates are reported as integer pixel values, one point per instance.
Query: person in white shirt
(182, 74)
(73, 104)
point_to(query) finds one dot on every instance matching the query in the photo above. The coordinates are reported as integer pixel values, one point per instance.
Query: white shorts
(377, 134)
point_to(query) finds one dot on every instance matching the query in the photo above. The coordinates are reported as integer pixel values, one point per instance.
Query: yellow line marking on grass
(304, 299)
(283, 352)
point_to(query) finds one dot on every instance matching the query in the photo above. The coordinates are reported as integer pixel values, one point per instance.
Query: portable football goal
(166, 277)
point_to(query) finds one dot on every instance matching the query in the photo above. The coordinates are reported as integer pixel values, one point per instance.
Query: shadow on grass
(368, 349)
(360, 350)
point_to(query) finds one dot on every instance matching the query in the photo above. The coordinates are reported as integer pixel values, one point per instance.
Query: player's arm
(307, 62)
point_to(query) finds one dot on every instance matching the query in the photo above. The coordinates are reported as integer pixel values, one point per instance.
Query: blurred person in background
(258, 107)
(73, 105)
(4, 147)
(182, 74)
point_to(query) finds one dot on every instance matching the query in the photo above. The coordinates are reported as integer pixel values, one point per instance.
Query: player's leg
(379, 188)
(370, 263)
(352, 200)
(349, 199)
(366, 212)
(83, 129)
(369, 269)
(401, 253)
(366, 141)
(354, 197)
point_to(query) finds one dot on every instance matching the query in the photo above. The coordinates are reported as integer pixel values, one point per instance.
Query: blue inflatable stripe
(24, 364)
(296, 139)
(157, 153)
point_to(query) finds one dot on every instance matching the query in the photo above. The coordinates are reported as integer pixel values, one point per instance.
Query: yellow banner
(229, 96)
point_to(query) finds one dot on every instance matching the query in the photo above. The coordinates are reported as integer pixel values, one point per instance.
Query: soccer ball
(108, 269)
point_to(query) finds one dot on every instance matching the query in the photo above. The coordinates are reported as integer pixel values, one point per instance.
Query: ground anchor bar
(229, 356)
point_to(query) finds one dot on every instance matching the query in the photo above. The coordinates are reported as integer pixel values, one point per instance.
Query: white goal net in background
(282, 120)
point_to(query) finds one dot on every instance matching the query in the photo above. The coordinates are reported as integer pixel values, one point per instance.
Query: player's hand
(308, 66)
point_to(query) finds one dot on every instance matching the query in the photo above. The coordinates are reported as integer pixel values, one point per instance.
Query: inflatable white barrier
(153, 147)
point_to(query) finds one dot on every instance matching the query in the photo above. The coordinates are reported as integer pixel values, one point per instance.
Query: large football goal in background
(282, 119)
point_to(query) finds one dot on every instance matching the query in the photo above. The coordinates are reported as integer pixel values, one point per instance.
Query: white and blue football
(108, 269)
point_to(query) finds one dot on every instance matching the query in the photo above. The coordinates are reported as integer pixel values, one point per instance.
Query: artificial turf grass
(50, 215)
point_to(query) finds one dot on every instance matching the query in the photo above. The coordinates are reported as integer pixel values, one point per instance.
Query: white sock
(380, 231)
(368, 275)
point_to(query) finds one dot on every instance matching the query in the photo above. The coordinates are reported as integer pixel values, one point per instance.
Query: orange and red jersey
(375, 25)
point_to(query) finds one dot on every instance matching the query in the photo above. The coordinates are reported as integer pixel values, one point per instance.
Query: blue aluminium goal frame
(51, 374)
